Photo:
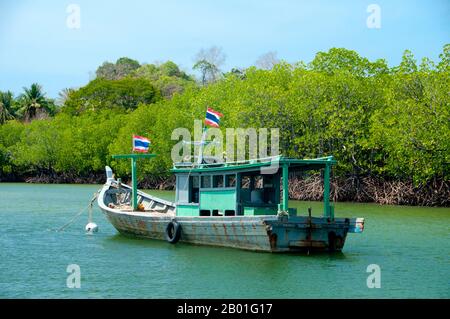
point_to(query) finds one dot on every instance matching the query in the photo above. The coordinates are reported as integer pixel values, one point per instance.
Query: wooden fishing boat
(241, 205)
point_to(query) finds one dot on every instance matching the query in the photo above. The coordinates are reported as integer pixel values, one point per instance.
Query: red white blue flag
(140, 144)
(212, 117)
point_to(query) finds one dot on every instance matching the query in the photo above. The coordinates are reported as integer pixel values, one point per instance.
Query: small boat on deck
(241, 205)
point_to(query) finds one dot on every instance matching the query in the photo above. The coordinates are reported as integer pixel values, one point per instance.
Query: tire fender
(173, 232)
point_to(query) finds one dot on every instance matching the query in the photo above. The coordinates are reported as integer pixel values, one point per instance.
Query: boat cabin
(258, 187)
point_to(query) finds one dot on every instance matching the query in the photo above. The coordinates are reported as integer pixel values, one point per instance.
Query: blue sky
(37, 46)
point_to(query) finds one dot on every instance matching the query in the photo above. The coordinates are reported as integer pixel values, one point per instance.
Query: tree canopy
(116, 71)
(376, 121)
(121, 95)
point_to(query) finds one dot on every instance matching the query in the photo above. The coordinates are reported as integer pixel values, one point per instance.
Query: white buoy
(91, 228)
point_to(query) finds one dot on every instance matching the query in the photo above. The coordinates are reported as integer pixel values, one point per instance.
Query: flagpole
(134, 157)
(133, 177)
(200, 155)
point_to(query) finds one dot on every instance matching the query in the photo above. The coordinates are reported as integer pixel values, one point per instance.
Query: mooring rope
(80, 212)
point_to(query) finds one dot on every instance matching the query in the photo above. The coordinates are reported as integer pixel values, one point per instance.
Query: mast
(285, 177)
(202, 142)
(328, 211)
(134, 158)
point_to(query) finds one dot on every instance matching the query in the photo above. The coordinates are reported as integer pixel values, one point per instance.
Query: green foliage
(413, 130)
(116, 71)
(167, 78)
(64, 144)
(6, 106)
(84, 141)
(208, 62)
(444, 64)
(34, 105)
(339, 59)
(207, 69)
(9, 134)
(37, 148)
(376, 121)
(121, 95)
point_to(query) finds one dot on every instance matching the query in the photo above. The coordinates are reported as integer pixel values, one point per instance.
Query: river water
(411, 246)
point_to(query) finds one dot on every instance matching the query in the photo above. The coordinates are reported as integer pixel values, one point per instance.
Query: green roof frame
(292, 163)
(285, 163)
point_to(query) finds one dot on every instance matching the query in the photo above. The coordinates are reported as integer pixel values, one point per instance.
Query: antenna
(201, 143)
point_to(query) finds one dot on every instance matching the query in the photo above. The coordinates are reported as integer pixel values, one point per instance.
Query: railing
(226, 163)
(241, 162)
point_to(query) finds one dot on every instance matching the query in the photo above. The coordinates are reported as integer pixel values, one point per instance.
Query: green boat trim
(306, 164)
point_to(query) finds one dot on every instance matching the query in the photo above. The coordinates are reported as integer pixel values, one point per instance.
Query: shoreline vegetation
(343, 189)
(388, 127)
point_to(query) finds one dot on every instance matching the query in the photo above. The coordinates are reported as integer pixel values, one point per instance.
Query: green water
(410, 244)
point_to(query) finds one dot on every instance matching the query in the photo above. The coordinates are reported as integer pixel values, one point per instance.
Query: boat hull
(259, 233)
(269, 233)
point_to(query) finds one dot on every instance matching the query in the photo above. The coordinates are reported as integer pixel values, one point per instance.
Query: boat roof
(255, 164)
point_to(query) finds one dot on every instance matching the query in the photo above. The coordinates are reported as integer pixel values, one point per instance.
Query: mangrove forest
(387, 126)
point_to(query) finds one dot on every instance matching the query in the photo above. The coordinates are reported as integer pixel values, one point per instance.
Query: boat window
(230, 181)
(182, 188)
(205, 212)
(258, 181)
(195, 182)
(194, 193)
(268, 181)
(216, 212)
(229, 213)
(206, 181)
(218, 181)
(245, 182)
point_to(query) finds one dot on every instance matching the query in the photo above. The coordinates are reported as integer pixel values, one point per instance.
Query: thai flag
(140, 144)
(212, 117)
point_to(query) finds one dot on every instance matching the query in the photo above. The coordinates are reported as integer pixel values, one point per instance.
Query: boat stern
(303, 233)
(356, 225)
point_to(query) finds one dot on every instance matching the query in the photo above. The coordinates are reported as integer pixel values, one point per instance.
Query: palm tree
(6, 104)
(63, 95)
(33, 103)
